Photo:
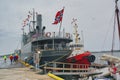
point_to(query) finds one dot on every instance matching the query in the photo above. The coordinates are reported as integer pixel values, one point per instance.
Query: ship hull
(47, 56)
(54, 55)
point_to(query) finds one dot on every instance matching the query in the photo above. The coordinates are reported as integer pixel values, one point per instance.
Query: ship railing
(50, 47)
(51, 35)
(47, 35)
(57, 35)
(56, 67)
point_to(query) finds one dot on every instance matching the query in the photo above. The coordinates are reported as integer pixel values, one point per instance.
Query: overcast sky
(94, 18)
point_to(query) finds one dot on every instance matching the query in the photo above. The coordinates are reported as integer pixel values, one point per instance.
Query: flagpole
(60, 27)
(61, 23)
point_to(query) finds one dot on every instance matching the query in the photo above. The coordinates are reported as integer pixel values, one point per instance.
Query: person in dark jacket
(11, 58)
(14, 58)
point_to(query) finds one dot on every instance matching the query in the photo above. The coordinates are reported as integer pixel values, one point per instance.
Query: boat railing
(57, 35)
(60, 68)
(52, 47)
(53, 35)
(66, 67)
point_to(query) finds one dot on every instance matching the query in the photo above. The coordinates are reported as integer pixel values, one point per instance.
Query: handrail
(67, 68)
(60, 66)
(50, 47)
(68, 63)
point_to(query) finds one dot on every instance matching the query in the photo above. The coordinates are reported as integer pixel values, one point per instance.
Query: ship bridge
(52, 41)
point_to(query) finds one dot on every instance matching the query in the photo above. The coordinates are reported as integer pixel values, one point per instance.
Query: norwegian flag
(58, 17)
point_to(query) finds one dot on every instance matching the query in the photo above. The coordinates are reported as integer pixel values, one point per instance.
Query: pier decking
(17, 71)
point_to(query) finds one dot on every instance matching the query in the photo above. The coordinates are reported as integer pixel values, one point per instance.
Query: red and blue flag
(58, 17)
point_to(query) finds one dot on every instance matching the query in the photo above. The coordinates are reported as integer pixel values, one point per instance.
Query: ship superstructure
(51, 46)
(78, 54)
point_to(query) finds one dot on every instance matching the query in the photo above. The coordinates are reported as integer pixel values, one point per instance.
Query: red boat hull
(82, 58)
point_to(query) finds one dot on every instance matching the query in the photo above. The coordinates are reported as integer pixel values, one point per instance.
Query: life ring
(48, 34)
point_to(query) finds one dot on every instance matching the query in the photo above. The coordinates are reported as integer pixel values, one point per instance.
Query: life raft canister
(48, 34)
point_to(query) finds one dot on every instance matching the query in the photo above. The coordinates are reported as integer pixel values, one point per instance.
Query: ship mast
(33, 19)
(117, 14)
(118, 23)
(76, 31)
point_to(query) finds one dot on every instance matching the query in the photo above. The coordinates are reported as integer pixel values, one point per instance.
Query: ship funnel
(39, 23)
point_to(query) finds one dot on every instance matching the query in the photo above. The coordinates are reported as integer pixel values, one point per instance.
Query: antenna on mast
(76, 30)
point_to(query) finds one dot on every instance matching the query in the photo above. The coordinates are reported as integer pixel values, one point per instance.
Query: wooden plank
(69, 63)
(77, 73)
(66, 68)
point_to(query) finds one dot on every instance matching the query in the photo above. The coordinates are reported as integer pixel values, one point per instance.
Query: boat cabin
(76, 46)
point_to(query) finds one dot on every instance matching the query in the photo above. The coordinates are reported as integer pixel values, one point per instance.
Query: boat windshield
(76, 46)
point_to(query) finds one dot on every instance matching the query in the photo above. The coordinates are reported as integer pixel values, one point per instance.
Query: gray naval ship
(51, 46)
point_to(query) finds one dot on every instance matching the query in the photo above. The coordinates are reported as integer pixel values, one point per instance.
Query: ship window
(45, 46)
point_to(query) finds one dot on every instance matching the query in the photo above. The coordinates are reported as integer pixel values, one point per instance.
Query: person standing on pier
(36, 59)
(5, 58)
(16, 56)
(11, 58)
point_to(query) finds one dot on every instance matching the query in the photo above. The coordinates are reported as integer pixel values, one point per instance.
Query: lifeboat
(81, 58)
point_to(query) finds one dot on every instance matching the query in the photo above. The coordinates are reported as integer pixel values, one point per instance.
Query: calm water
(98, 55)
